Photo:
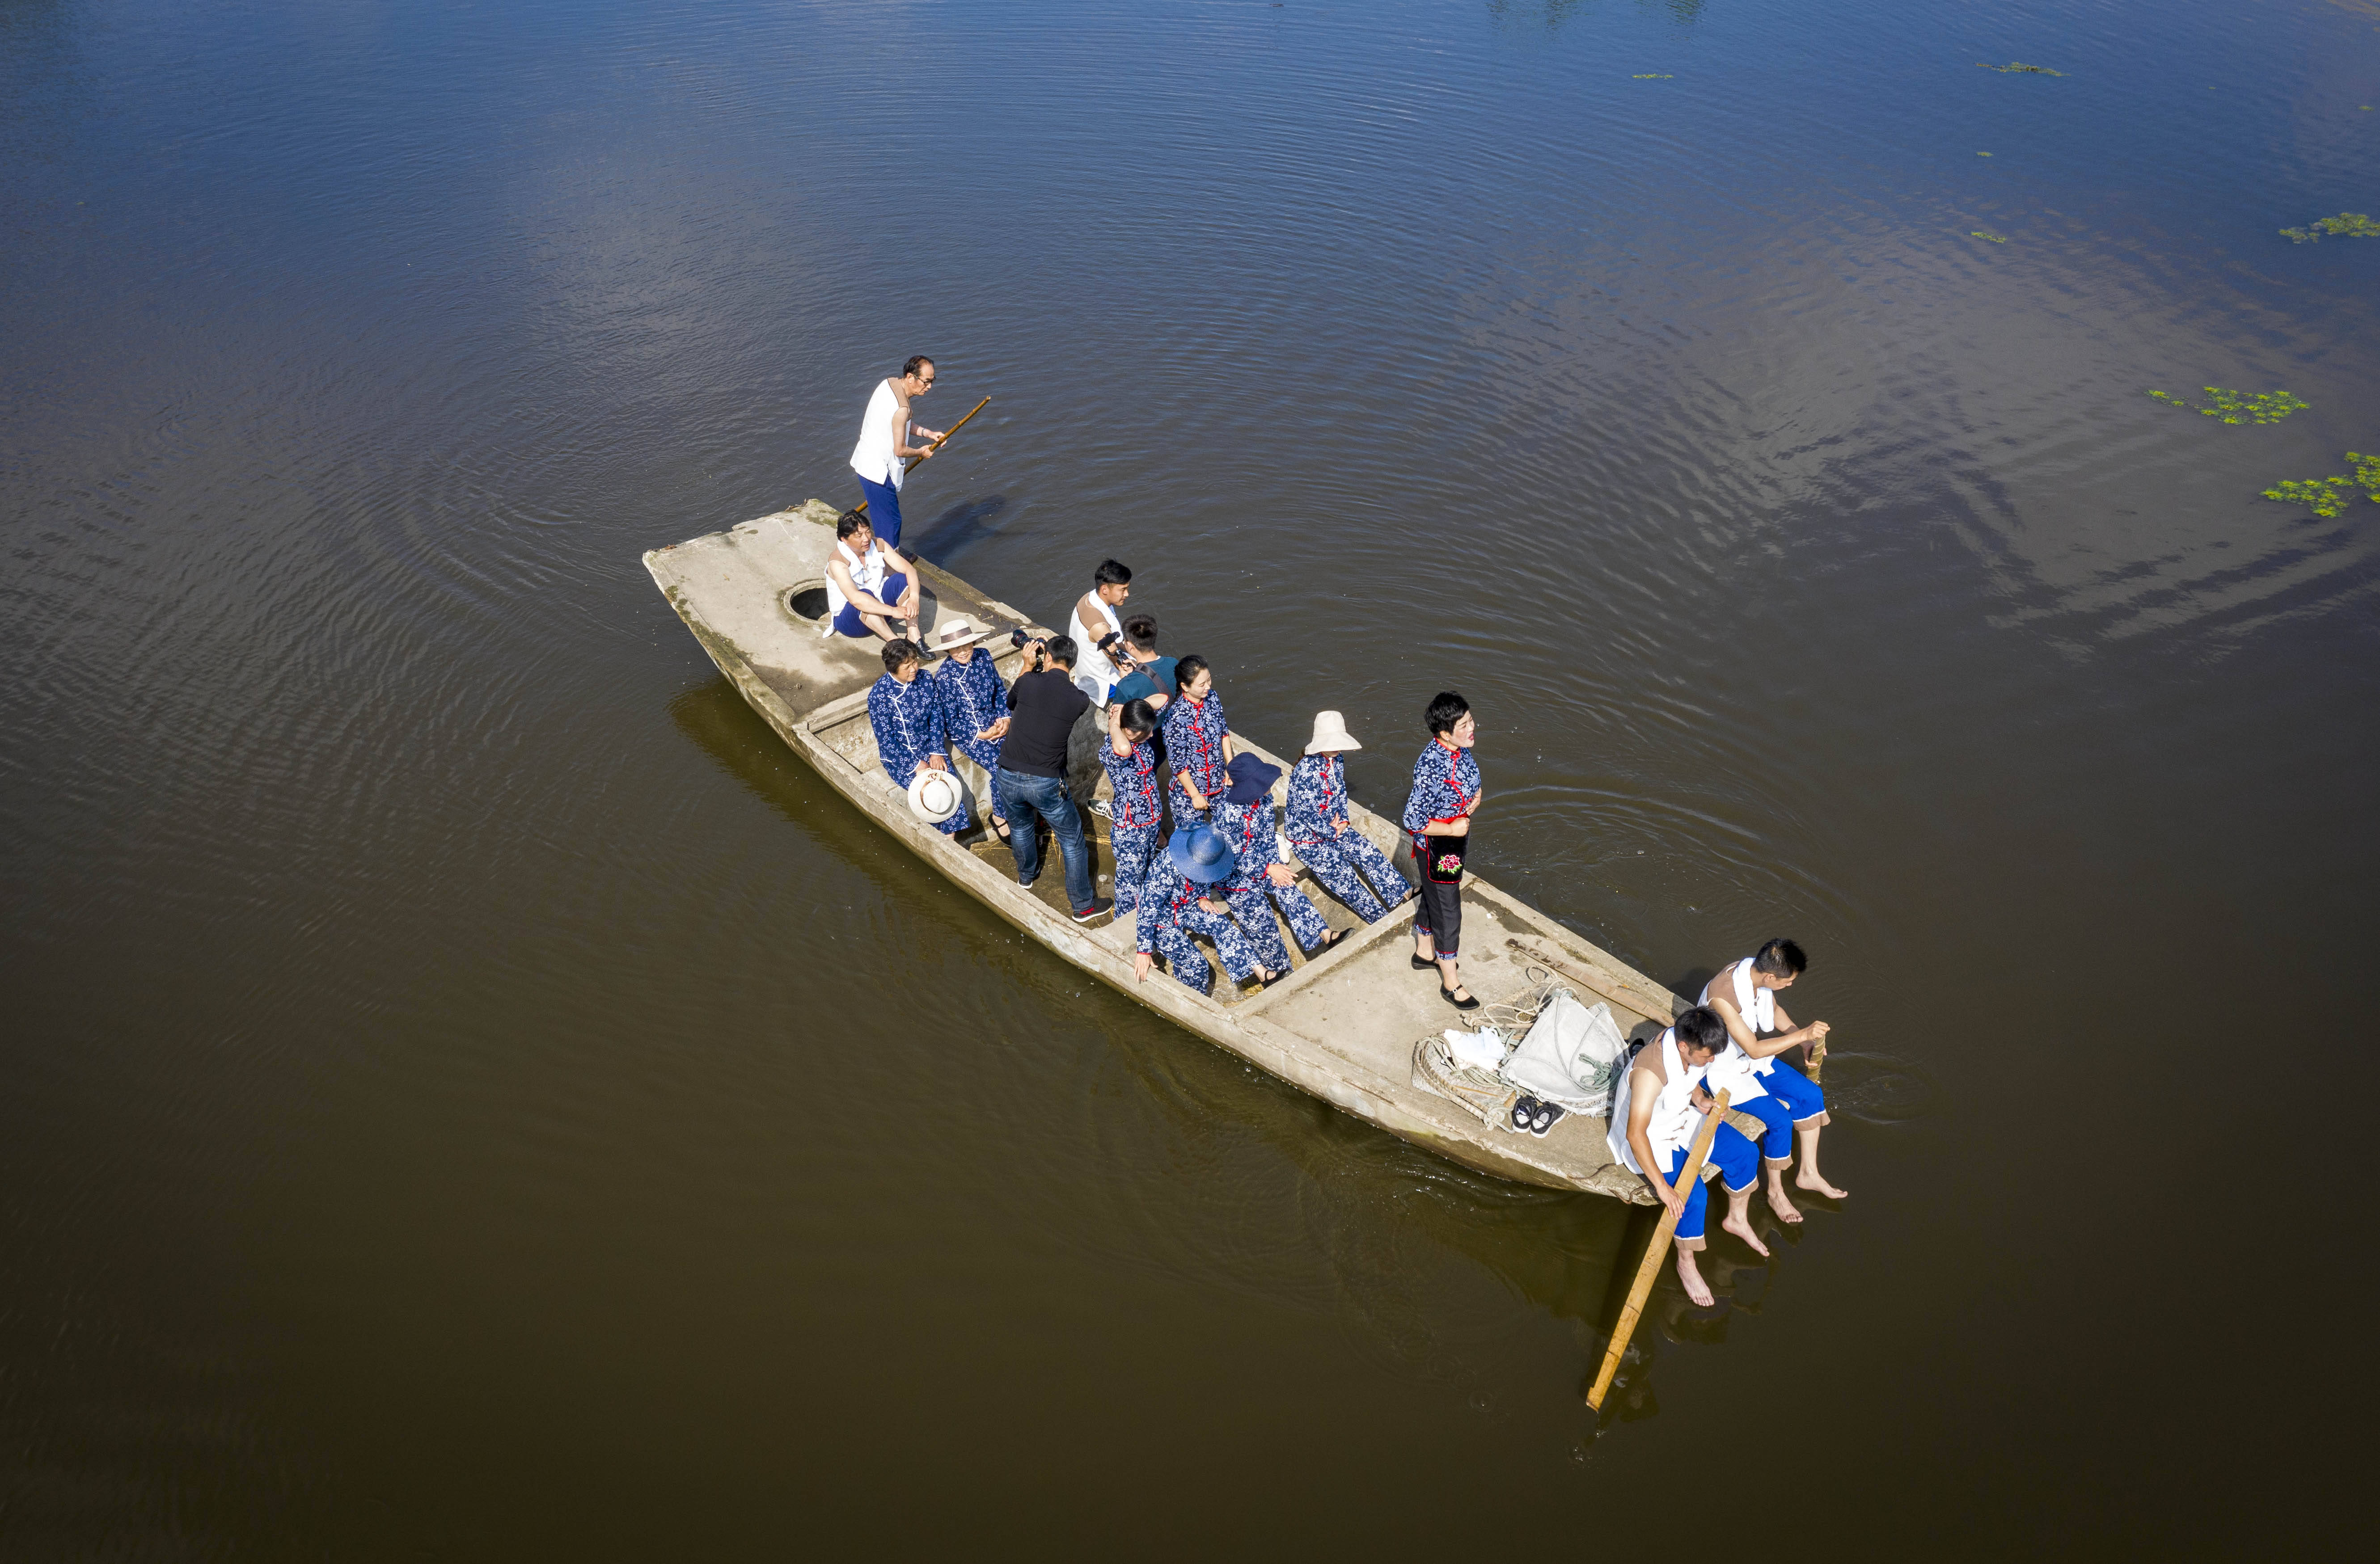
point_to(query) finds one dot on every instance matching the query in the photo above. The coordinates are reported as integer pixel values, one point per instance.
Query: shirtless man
(1656, 1114)
(1785, 1101)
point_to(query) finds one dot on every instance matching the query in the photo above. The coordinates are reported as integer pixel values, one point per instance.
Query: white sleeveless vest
(1758, 1008)
(866, 574)
(877, 457)
(1674, 1119)
(1094, 674)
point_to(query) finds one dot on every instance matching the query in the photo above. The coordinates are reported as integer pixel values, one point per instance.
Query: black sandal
(999, 830)
(1448, 995)
(1331, 938)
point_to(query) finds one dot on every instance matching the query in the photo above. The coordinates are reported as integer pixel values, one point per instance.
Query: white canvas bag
(1571, 1057)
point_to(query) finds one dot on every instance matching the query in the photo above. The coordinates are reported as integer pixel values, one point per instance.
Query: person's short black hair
(849, 523)
(1700, 1027)
(1187, 671)
(1063, 650)
(1112, 573)
(1446, 708)
(912, 364)
(1141, 631)
(1138, 717)
(900, 654)
(1780, 958)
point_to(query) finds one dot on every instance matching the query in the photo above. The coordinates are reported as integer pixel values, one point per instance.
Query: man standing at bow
(885, 445)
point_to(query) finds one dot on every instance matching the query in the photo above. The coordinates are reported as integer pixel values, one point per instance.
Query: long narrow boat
(1343, 1026)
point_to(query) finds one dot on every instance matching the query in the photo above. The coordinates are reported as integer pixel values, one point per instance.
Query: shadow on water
(950, 534)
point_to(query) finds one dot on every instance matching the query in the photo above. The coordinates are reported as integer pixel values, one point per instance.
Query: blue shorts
(847, 623)
(1739, 1170)
(1802, 1098)
(884, 511)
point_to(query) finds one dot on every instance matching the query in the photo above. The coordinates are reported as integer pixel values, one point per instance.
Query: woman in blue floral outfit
(1261, 880)
(1197, 740)
(907, 718)
(1130, 757)
(1322, 836)
(1176, 903)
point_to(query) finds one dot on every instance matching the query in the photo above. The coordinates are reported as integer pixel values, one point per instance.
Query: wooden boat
(1342, 1026)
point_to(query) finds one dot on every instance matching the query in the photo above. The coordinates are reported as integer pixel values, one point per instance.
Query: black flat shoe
(1425, 963)
(1523, 1112)
(1470, 1002)
(1330, 940)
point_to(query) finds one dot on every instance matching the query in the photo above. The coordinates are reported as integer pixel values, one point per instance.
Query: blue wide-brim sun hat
(1252, 779)
(1201, 854)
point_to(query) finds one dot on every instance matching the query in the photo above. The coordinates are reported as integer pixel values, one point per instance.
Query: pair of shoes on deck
(1535, 1117)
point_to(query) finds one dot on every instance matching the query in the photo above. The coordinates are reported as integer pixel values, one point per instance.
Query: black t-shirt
(1042, 707)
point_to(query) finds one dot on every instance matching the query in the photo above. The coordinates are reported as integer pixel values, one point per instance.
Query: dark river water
(470, 1093)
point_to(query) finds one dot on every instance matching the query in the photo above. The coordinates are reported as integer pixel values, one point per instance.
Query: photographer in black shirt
(1043, 704)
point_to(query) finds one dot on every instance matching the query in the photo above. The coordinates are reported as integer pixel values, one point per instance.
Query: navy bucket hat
(1201, 854)
(1251, 779)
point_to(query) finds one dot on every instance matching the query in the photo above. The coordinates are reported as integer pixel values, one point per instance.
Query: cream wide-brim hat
(935, 796)
(952, 634)
(1331, 732)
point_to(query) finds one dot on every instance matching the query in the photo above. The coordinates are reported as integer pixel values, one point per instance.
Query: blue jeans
(884, 511)
(1022, 797)
(847, 622)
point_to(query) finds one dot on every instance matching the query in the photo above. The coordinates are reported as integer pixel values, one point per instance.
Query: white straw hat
(1331, 732)
(935, 796)
(952, 634)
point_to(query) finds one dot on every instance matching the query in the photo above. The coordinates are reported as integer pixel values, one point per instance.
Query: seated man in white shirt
(868, 585)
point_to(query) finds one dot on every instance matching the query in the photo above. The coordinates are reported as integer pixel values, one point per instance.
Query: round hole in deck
(808, 601)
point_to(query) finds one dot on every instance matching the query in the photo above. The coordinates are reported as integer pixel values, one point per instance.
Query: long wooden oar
(861, 508)
(1653, 1255)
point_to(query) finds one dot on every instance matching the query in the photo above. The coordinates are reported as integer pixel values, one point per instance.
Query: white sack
(1571, 1057)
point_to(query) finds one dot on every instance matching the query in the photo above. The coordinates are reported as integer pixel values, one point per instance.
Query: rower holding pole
(1665, 1126)
(1641, 1287)
(884, 454)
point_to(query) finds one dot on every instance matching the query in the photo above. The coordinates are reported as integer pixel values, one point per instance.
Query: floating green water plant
(2327, 497)
(2237, 407)
(1655, 75)
(2355, 224)
(1988, 234)
(2019, 67)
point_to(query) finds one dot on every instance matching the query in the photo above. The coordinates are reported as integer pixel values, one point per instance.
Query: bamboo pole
(861, 508)
(1654, 1252)
(1817, 1060)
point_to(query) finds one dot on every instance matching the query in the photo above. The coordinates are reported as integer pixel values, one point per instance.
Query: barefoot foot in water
(1743, 1230)
(1817, 1185)
(1785, 1209)
(1692, 1278)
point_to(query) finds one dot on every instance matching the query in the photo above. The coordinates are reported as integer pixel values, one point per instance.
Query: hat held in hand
(935, 796)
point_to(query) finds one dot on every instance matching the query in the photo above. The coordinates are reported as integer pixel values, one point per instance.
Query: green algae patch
(2327, 497)
(2018, 68)
(2238, 407)
(2352, 224)
(1988, 234)
(1655, 75)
